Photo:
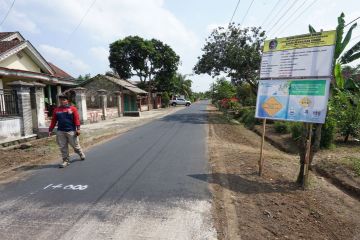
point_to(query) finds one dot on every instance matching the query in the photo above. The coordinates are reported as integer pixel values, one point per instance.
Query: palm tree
(182, 86)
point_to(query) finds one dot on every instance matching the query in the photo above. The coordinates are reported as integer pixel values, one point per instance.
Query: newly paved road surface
(142, 185)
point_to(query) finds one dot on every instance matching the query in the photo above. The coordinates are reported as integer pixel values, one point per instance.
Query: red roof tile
(7, 45)
(59, 73)
(5, 34)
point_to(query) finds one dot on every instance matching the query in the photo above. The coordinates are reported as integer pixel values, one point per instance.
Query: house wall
(10, 128)
(101, 83)
(23, 63)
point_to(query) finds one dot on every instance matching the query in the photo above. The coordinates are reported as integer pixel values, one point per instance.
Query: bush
(346, 106)
(165, 99)
(328, 132)
(235, 106)
(282, 127)
(296, 130)
(247, 116)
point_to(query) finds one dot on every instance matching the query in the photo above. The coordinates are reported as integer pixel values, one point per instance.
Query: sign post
(262, 148)
(307, 156)
(294, 83)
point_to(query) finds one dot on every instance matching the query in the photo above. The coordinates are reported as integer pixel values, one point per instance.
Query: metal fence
(8, 103)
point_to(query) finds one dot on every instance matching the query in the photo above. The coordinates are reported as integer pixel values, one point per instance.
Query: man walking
(67, 118)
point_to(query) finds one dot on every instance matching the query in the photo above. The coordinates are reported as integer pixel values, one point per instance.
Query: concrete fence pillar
(58, 92)
(24, 105)
(118, 102)
(40, 106)
(80, 101)
(103, 102)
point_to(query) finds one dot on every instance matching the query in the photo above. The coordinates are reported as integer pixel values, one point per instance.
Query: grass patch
(355, 162)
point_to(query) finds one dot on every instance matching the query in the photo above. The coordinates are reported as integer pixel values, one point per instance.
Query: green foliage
(235, 106)
(282, 127)
(297, 129)
(245, 95)
(81, 78)
(347, 108)
(246, 115)
(222, 89)
(311, 29)
(234, 51)
(328, 133)
(356, 165)
(147, 59)
(165, 99)
(341, 57)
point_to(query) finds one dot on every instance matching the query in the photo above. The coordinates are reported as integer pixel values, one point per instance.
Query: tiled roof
(5, 34)
(125, 84)
(59, 73)
(7, 45)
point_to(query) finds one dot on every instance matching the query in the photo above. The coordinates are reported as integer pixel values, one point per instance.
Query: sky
(75, 34)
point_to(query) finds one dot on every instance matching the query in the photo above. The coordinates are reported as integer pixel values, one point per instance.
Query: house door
(126, 103)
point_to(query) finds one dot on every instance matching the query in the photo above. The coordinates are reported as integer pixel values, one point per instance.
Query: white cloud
(55, 55)
(18, 21)
(100, 53)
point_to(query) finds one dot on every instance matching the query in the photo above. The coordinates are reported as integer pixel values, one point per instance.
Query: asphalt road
(144, 184)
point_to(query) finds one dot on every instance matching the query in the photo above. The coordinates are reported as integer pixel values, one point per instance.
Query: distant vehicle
(180, 101)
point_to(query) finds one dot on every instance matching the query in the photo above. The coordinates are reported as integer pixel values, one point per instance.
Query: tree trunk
(346, 139)
(315, 146)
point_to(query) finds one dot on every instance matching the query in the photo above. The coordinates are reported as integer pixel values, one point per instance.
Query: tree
(341, 57)
(178, 84)
(222, 89)
(146, 59)
(234, 51)
(81, 78)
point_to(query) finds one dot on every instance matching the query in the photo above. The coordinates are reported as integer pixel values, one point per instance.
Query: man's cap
(62, 96)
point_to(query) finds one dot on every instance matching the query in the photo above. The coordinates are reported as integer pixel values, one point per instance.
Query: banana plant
(342, 57)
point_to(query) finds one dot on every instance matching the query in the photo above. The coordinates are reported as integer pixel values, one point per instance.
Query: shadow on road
(243, 185)
(190, 118)
(41, 166)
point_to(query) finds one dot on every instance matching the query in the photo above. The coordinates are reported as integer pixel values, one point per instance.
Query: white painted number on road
(66, 187)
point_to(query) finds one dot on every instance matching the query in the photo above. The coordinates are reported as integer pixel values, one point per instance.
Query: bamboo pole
(262, 148)
(307, 157)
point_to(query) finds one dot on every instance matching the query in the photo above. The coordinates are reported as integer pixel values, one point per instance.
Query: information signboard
(293, 100)
(309, 55)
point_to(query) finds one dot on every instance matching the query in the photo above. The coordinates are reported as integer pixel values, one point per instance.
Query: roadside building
(109, 97)
(28, 87)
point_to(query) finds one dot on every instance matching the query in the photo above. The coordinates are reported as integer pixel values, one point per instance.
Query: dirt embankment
(247, 206)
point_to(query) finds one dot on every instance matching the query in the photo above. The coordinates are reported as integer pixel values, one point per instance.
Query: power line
(7, 13)
(286, 12)
(281, 27)
(247, 11)
(82, 19)
(298, 16)
(270, 12)
(352, 21)
(237, 5)
(277, 13)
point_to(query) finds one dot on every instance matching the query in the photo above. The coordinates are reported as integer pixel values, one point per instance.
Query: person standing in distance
(68, 131)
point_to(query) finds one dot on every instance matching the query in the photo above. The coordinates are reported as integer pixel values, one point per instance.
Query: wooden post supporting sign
(262, 148)
(307, 157)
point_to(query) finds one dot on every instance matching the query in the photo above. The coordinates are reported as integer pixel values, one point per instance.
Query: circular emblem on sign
(273, 44)
(305, 102)
(92, 98)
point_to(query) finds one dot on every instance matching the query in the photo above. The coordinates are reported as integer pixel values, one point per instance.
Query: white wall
(10, 128)
(23, 63)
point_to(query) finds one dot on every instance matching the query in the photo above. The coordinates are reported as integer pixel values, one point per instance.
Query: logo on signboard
(272, 106)
(273, 44)
(305, 102)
